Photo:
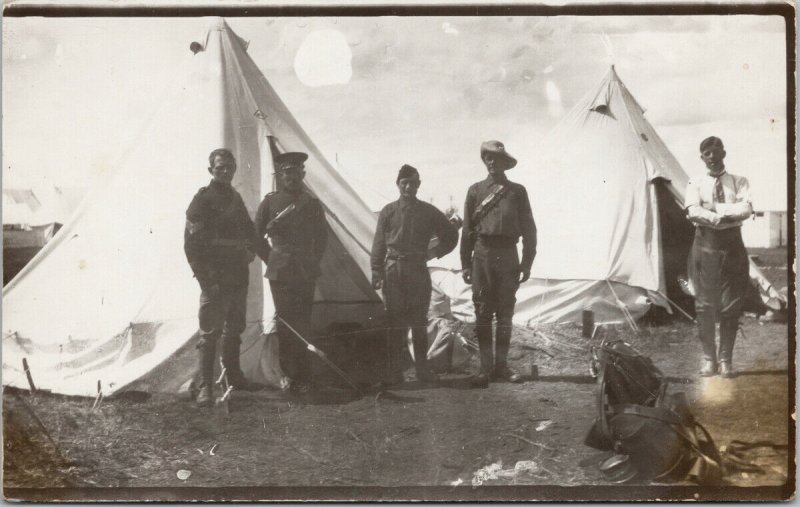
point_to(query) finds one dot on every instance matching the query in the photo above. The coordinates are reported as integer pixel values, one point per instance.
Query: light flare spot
(449, 29)
(717, 391)
(554, 105)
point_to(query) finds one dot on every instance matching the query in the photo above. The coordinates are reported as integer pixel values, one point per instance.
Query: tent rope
(628, 317)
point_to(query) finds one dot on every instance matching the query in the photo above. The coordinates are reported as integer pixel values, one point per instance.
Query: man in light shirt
(717, 203)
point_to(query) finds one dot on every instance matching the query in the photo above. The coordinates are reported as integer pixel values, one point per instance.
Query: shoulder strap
(301, 202)
(490, 201)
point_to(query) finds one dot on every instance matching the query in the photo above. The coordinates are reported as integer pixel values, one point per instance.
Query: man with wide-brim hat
(497, 213)
(717, 202)
(294, 221)
(399, 267)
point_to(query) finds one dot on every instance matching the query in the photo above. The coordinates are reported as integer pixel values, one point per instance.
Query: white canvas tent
(607, 197)
(112, 298)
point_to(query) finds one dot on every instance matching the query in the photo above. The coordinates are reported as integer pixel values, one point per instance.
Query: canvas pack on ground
(654, 435)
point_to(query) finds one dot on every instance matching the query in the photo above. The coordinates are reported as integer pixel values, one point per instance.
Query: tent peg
(28, 375)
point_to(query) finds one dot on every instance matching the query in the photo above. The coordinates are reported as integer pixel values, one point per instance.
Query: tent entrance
(677, 234)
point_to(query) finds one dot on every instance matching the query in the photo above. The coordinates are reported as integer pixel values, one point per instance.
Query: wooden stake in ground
(28, 374)
(99, 397)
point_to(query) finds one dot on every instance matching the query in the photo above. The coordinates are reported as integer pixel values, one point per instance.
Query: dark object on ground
(654, 434)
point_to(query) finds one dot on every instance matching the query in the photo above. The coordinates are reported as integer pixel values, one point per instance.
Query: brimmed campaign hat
(497, 148)
(290, 159)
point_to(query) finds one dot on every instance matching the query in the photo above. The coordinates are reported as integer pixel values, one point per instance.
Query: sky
(375, 93)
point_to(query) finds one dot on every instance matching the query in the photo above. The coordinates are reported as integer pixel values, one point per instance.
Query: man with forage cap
(219, 242)
(497, 213)
(399, 267)
(295, 223)
(717, 203)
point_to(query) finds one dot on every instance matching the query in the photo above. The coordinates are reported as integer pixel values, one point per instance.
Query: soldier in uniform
(295, 223)
(219, 242)
(497, 213)
(717, 203)
(399, 267)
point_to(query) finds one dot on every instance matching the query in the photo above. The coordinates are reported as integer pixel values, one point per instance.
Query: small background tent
(607, 197)
(30, 219)
(112, 299)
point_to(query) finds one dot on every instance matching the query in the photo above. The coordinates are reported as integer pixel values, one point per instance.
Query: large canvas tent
(111, 298)
(607, 197)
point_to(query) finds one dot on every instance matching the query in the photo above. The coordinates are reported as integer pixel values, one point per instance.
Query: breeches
(495, 280)
(719, 269)
(407, 292)
(223, 314)
(293, 303)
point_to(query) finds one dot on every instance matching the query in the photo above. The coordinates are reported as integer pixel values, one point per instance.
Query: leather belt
(395, 256)
(497, 241)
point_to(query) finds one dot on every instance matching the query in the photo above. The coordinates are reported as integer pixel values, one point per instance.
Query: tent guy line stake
(28, 375)
(99, 397)
(321, 355)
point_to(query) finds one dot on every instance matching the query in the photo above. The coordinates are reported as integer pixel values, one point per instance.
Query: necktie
(719, 193)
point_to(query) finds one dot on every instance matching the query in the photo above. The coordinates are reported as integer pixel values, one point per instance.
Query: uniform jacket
(406, 227)
(298, 240)
(220, 238)
(511, 218)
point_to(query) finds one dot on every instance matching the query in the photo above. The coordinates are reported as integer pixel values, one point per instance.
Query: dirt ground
(344, 444)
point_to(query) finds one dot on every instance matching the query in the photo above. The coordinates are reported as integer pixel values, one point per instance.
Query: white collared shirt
(704, 211)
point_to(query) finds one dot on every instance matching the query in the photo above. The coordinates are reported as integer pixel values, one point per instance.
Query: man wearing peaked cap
(717, 202)
(219, 241)
(290, 159)
(295, 223)
(497, 213)
(399, 267)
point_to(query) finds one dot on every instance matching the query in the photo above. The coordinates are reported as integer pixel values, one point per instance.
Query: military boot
(392, 373)
(706, 332)
(483, 333)
(424, 374)
(230, 360)
(727, 338)
(501, 370)
(205, 374)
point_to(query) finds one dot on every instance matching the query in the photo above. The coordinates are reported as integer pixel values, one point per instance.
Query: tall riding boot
(503, 342)
(706, 332)
(206, 352)
(728, 328)
(483, 332)
(420, 337)
(230, 360)
(393, 372)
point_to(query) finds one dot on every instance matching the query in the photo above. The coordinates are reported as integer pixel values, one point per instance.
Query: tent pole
(679, 308)
(322, 356)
